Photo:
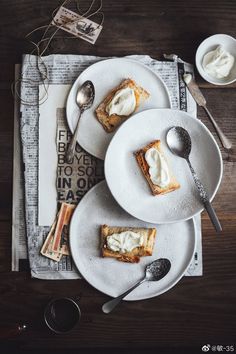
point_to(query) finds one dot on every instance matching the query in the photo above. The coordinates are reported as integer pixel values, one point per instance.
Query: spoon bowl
(85, 95)
(158, 269)
(179, 141)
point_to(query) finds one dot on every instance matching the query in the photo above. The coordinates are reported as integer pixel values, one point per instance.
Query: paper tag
(46, 249)
(77, 25)
(60, 242)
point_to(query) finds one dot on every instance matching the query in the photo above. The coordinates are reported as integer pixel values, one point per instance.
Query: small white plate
(175, 242)
(106, 75)
(209, 44)
(130, 188)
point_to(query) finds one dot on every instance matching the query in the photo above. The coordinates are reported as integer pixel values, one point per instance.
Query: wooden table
(198, 310)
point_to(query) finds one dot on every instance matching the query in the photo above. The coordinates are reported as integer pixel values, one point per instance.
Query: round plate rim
(141, 297)
(97, 64)
(217, 148)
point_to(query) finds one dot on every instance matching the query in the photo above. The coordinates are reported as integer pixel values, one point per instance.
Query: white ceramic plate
(175, 242)
(106, 75)
(128, 184)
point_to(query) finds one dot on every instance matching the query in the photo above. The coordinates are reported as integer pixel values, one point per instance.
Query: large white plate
(128, 184)
(175, 242)
(106, 75)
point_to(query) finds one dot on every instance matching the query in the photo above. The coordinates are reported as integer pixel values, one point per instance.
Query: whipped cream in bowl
(218, 63)
(216, 59)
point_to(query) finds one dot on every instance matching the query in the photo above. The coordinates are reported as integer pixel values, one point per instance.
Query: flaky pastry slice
(140, 157)
(110, 123)
(133, 256)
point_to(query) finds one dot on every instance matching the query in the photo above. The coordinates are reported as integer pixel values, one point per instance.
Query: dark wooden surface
(198, 310)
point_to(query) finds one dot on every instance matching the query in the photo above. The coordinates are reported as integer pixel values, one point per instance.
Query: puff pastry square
(140, 157)
(146, 249)
(110, 123)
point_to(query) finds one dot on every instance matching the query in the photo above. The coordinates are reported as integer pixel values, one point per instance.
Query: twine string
(40, 48)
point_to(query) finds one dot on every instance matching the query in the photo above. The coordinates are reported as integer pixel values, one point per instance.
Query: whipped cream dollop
(124, 241)
(187, 78)
(218, 63)
(123, 103)
(158, 168)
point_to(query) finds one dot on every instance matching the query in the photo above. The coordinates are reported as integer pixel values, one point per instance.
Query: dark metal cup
(62, 315)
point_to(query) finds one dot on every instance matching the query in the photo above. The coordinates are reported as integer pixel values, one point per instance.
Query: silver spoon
(154, 271)
(179, 142)
(84, 100)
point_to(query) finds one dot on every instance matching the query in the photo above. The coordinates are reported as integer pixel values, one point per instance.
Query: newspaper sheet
(19, 246)
(63, 70)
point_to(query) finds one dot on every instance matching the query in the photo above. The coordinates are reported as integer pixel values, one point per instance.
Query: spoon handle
(227, 144)
(71, 148)
(212, 215)
(204, 198)
(110, 305)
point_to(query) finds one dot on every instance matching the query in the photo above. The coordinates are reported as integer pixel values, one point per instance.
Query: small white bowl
(210, 43)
